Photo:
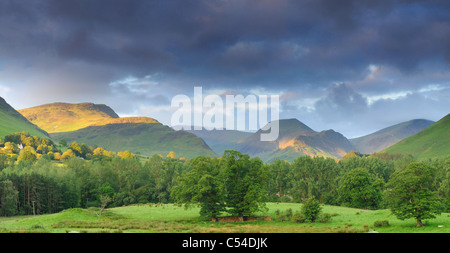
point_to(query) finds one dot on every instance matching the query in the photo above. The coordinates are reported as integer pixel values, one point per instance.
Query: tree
(278, 180)
(10, 148)
(244, 183)
(202, 185)
(106, 190)
(360, 189)
(100, 153)
(8, 198)
(125, 154)
(409, 193)
(171, 155)
(63, 143)
(442, 182)
(86, 151)
(104, 201)
(68, 154)
(27, 154)
(314, 177)
(106, 195)
(76, 149)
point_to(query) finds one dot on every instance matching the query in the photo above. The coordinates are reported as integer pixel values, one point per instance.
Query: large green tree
(410, 194)
(278, 180)
(8, 198)
(244, 183)
(359, 188)
(314, 177)
(202, 185)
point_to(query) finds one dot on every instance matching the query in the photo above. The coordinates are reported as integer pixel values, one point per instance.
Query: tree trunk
(419, 223)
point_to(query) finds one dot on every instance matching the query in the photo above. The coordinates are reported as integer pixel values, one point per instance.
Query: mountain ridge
(388, 136)
(11, 121)
(296, 139)
(67, 117)
(142, 138)
(432, 142)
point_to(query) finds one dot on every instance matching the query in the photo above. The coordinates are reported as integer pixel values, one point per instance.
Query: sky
(352, 66)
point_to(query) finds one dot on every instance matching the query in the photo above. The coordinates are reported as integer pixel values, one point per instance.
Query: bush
(324, 218)
(381, 223)
(286, 216)
(366, 228)
(311, 209)
(298, 217)
(285, 199)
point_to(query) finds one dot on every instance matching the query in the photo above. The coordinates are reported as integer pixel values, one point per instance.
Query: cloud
(138, 54)
(341, 102)
(353, 114)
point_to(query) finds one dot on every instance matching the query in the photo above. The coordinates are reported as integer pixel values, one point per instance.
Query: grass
(147, 139)
(12, 122)
(169, 218)
(63, 117)
(432, 142)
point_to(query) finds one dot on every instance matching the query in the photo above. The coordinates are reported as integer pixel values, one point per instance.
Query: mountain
(221, 140)
(97, 124)
(142, 138)
(296, 139)
(325, 143)
(288, 129)
(12, 121)
(431, 142)
(65, 117)
(388, 136)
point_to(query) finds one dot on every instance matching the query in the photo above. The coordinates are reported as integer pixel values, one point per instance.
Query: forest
(35, 182)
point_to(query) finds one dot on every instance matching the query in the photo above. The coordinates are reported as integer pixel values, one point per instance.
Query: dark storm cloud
(77, 50)
(247, 39)
(341, 103)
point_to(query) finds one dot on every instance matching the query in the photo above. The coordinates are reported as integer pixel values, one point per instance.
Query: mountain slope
(221, 140)
(325, 143)
(296, 139)
(431, 142)
(12, 121)
(388, 136)
(65, 117)
(144, 138)
(289, 128)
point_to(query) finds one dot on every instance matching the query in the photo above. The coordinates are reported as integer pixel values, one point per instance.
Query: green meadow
(170, 218)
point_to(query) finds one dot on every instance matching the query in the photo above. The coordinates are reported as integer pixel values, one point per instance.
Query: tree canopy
(410, 193)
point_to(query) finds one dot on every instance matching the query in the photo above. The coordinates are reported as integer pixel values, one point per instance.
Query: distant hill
(65, 117)
(431, 142)
(12, 121)
(99, 125)
(388, 136)
(325, 143)
(289, 128)
(221, 140)
(142, 138)
(296, 139)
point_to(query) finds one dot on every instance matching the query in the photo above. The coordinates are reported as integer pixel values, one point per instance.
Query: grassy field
(432, 142)
(169, 218)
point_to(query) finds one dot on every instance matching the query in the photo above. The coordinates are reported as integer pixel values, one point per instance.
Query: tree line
(233, 183)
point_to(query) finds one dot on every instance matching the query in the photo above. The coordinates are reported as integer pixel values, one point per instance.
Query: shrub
(381, 223)
(285, 199)
(366, 228)
(324, 218)
(311, 209)
(298, 217)
(284, 216)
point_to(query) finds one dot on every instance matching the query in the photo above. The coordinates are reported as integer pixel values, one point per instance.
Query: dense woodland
(35, 181)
